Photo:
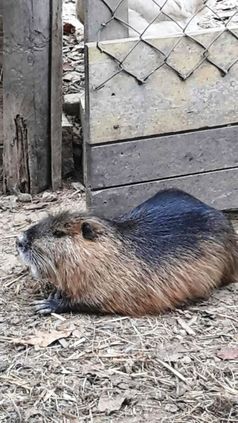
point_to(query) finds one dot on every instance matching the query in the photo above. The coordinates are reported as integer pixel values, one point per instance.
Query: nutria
(169, 250)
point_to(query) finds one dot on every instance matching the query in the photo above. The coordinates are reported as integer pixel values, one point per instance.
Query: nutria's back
(172, 221)
(170, 249)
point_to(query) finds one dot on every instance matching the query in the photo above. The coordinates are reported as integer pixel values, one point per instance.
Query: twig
(58, 316)
(186, 327)
(10, 283)
(172, 370)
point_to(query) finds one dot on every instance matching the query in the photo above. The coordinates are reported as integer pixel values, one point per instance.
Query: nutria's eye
(88, 231)
(59, 234)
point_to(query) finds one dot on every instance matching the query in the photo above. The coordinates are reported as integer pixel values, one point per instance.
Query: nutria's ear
(91, 230)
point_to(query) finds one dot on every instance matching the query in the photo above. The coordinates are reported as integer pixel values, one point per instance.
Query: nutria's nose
(22, 242)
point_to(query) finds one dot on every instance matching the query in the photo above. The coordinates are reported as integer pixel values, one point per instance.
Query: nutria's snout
(27, 255)
(22, 243)
(23, 247)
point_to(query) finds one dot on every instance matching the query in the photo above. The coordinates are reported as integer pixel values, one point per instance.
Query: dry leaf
(43, 339)
(110, 405)
(228, 353)
(67, 67)
(65, 325)
(78, 333)
(69, 28)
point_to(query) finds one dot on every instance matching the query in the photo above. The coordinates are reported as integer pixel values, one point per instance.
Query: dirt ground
(180, 367)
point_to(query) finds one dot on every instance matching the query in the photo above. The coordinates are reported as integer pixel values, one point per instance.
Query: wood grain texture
(26, 93)
(56, 93)
(219, 189)
(97, 13)
(162, 157)
(1, 114)
(1, 92)
(123, 109)
(1, 168)
(1, 99)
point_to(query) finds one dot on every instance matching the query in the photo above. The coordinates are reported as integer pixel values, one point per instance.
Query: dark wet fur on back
(169, 223)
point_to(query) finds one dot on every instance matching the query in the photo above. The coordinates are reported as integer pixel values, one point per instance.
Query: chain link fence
(171, 18)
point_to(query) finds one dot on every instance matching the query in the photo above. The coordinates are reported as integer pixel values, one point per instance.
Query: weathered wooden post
(1, 99)
(32, 94)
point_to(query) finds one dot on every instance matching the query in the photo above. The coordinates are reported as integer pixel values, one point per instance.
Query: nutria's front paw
(52, 304)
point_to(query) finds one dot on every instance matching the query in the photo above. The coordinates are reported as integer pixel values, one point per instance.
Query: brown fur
(152, 292)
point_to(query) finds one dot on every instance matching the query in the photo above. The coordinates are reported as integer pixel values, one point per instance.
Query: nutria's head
(59, 243)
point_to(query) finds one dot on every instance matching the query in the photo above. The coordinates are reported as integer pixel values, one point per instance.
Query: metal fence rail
(184, 28)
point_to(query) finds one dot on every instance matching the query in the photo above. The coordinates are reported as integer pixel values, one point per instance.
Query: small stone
(24, 197)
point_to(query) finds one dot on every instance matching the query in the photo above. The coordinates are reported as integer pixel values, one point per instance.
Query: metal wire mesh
(185, 29)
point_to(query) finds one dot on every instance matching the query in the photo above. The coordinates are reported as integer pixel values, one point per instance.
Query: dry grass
(111, 369)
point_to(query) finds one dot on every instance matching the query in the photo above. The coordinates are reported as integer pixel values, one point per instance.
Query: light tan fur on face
(106, 273)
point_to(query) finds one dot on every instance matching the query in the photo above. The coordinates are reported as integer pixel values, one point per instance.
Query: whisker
(43, 264)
